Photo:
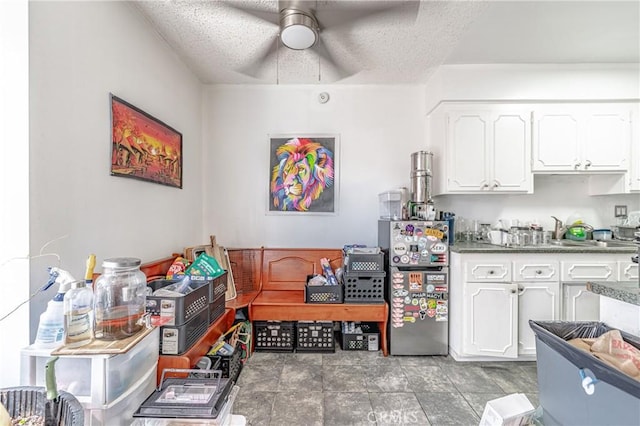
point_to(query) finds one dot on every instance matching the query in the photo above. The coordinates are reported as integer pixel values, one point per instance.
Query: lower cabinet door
(579, 304)
(538, 302)
(491, 319)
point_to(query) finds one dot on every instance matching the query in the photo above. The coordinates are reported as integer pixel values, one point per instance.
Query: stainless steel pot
(422, 160)
(624, 232)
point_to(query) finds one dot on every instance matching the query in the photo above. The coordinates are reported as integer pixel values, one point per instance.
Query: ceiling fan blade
(350, 12)
(322, 51)
(252, 69)
(272, 16)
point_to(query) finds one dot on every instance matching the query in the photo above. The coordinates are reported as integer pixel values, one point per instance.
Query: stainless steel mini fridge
(417, 285)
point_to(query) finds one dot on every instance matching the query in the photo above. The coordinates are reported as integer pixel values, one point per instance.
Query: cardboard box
(510, 410)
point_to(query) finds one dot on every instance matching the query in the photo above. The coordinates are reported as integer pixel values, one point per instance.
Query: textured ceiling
(222, 44)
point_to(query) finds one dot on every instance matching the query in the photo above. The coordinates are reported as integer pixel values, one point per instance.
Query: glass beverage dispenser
(120, 299)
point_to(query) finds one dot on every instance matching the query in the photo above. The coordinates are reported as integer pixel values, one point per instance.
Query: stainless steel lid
(121, 262)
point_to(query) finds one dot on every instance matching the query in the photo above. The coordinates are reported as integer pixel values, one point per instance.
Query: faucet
(559, 230)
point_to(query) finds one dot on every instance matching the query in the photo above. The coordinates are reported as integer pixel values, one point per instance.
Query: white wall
(379, 127)
(533, 82)
(14, 186)
(79, 52)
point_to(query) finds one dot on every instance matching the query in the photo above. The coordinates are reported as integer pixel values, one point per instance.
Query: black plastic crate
(315, 336)
(274, 336)
(364, 288)
(217, 286)
(178, 309)
(230, 365)
(365, 336)
(322, 293)
(216, 309)
(177, 339)
(364, 262)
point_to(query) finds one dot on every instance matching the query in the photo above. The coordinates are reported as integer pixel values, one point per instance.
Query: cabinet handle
(495, 184)
(485, 186)
(538, 272)
(491, 272)
(587, 164)
(513, 290)
(577, 166)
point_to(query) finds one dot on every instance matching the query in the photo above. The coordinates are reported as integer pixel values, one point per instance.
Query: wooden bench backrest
(264, 268)
(287, 269)
(246, 266)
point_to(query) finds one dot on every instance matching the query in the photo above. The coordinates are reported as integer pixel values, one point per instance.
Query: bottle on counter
(50, 332)
(120, 299)
(78, 315)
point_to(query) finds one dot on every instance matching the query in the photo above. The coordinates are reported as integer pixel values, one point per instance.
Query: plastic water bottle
(78, 315)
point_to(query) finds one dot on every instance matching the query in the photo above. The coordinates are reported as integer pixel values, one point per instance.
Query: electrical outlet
(621, 211)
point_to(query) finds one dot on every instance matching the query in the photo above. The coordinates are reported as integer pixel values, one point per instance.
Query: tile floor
(365, 388)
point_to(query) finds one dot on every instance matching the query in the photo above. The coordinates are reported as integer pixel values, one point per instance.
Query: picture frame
(144, 147)
(303, 174)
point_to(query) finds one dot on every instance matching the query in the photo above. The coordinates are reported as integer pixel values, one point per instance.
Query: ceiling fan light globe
(298, 31)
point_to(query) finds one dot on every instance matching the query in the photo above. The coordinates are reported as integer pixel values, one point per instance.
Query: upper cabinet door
(607, 138)
(511, 152)
(556, 143)
(488, 149)
(582, 137)
(467, 148)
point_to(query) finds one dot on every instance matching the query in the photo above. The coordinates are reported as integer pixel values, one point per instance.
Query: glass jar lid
(121, 262)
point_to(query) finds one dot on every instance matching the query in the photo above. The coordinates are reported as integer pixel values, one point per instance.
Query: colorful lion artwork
(303, 170)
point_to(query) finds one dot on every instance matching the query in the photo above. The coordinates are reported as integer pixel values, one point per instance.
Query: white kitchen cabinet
(581, 137)
(634, 168)
(488, 149)
(538, 301)
(595, 269)
(538, 279)
(579, 304)
(488, 270)
(536, 270)
(492, 297)
(627, 271)
(491, 319)
(501, 294)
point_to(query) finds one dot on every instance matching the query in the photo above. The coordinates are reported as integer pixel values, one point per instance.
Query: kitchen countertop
(625, 291)
(471, 247)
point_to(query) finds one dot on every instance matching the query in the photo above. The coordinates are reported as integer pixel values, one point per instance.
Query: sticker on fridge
(415, 281)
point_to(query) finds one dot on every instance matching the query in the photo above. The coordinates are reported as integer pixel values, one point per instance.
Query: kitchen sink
(593, 243)
(612, 243)
(572, 243)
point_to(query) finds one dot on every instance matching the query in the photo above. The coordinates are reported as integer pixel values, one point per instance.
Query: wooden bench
(281, 295)
(270, 283)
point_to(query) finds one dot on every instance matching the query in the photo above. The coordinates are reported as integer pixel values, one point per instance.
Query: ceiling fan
(299, 25)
